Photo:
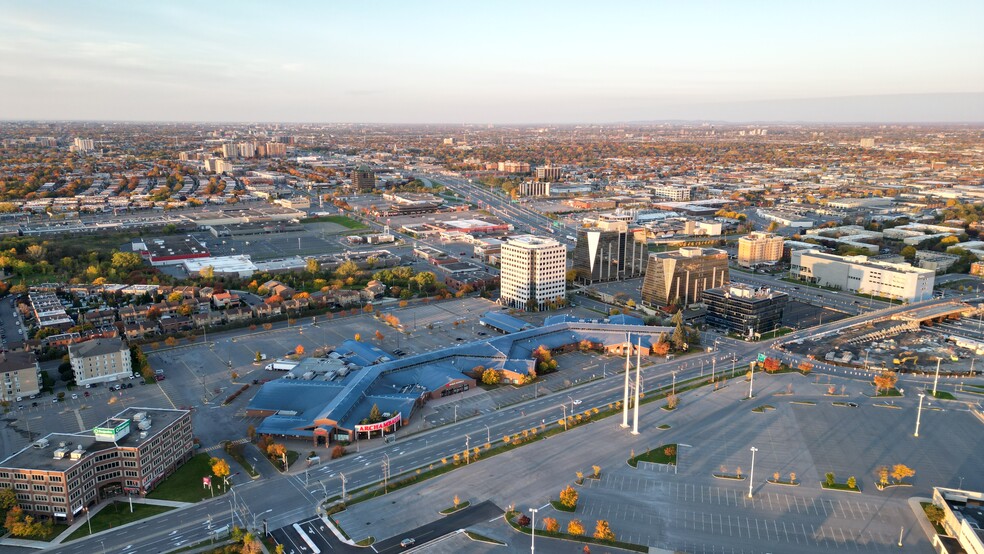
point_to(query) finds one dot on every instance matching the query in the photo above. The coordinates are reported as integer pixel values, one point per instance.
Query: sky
(530, 61)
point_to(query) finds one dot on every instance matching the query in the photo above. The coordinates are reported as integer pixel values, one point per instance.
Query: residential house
(238, 314)
(175, 324)
(100, 318)
(223, 300)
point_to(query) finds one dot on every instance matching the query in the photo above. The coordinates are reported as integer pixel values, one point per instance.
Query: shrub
(337, 452)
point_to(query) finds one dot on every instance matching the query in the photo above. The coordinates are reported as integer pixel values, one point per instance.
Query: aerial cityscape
(491, 277)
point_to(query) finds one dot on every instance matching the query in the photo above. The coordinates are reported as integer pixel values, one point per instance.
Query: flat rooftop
(43, 459)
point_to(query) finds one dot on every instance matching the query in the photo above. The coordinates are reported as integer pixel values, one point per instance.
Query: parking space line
(769, 496)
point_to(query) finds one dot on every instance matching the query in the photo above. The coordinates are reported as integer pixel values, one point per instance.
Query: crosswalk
(215, 447)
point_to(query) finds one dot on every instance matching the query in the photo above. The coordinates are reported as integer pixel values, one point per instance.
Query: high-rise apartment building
(60, 475)
(84, 145)
(609, 251)
(212, 165)
(363, 179)
(533, 272)
(758, 248)
(100, 361)
(230, 150)
(276, 150)
(862, 275)
(513, 167)
(247, 149)
(19, 375)
(743, 309)
(680, 276)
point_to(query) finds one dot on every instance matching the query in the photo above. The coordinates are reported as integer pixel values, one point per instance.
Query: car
(19, 398)
(75, 397)
(408, 542)
(34, 404)
(129, 385)
(159, 377)
(20, 407)
(54, 400)
(88, 385)
(87, 394)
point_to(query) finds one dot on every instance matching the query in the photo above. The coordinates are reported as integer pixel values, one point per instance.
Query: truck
(282, 365)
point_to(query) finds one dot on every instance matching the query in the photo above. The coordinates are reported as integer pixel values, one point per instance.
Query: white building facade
(533, 272)
(100, 361)
(860, 275)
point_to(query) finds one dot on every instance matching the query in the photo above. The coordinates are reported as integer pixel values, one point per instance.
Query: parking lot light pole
(919, 414)
(88, 519)
(751, 474)
(488, 434)
(533, 530)
(936, 379)
(564, 407)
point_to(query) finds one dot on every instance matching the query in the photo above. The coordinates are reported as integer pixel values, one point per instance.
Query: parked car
(159, 377)
(408, 542)
(75, 397)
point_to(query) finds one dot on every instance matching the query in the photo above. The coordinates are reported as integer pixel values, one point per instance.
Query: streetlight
(386, 468)
(573, 403)
(88, 518)
(937, 378)
(919, 414)
(488, 434)
(673, 390)
(751, 474)
(751, 381)
(533, 530)
(564, 407)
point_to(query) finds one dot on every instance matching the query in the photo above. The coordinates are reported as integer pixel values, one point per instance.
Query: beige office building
(19, 376)
(100, 361)
(759, 248)
(533, 272)
(62, 474)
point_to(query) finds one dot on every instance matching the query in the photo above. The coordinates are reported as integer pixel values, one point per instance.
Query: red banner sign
(377, 426)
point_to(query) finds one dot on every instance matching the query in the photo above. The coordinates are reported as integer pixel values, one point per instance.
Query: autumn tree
(220, 468)
(375, 416)
(358, 337)
(882, 473)
(603, 531)
(771, 365)
(491, 376)
(575, 527)
(276, 450)
(885, 381)
(299, 350)
(661, 348)
(671, 401)
(568, 497)
(379, 336)
(935, 514)
(901, 471)
(805, 367)
(852, 482)
(550, 524)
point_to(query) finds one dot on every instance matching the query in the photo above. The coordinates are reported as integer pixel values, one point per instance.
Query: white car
(75, 397)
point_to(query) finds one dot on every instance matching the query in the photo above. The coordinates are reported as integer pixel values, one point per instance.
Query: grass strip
(576, 538)
(115, 515)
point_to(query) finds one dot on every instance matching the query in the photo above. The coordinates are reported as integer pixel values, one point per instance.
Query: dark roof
(96, 347)
(503, 322)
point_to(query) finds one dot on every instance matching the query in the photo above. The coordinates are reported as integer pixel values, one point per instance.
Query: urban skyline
(435, 62)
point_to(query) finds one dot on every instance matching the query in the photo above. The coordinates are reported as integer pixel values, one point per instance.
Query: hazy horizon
(508, 63)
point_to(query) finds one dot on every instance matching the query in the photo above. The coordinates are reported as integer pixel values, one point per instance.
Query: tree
(603, 531)
(829, 478)
(456, 501)
(312, 266)
(251, 433)
(771, 365)
(550, 524)
(491, 377)
(908, 252)
(805, 367)
(207, 272)
(672, 401)
(171, 341)
(358, 337)
(575, 528)
(596, 471)
(679, 338)
(882, 473)
(276, 450)
(337, 452)
(375, 416)
(852, 482)
(935, 514)
(568, 497)
(661, 348)
(885, 380)
(220, 468)
(901, 471)
(379, 336)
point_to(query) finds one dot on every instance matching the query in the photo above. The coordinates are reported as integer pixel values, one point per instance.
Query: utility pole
(625, 401)
(635, 415)
(919, 414)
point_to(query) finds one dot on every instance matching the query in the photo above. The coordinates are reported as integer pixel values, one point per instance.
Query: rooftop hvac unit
(41, 443)
(62, 444)
(143, 434)
(77, 453)
(144, 424)
(60, 453)
(139, 416)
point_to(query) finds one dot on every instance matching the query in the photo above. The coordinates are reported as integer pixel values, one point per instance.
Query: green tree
(935, 514)
(909, 252)
(126, 261)
(829, 477)
(312, 266)
(375, 416)
(679, 338)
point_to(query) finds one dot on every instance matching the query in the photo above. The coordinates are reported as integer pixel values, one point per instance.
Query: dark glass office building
(743, 309)
(610, 255)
